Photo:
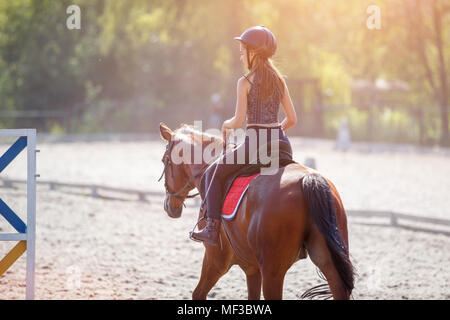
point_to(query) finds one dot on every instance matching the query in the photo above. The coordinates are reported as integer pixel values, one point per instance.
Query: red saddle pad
(235, 195)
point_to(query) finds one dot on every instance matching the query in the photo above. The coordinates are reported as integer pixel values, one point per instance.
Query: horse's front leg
(216, 263)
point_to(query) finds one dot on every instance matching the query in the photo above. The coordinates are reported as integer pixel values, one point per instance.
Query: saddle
(285, 158)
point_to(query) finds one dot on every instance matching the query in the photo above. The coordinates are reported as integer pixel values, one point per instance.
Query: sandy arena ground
(90, 248)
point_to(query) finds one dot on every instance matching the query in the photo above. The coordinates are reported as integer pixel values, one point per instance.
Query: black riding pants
(233, 160)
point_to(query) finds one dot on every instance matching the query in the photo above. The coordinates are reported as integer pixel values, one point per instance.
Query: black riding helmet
(260, 39)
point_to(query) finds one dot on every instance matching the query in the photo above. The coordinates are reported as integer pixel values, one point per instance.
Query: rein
(167, 162)
(188, 184)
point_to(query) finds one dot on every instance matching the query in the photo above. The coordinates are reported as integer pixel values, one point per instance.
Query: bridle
(167, 162)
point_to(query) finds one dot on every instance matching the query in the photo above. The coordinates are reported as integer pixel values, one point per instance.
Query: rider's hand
(226, 132)
(225, 128)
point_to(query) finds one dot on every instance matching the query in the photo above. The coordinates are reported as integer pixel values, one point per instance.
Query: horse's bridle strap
(188, 183)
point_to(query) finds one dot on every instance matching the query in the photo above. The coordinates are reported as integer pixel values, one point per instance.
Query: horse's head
(180, 175)
(176, 181)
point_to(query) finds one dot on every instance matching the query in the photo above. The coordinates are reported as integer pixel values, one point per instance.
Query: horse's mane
(189, 134)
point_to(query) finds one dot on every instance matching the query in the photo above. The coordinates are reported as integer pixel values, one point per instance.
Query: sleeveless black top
(258, 111)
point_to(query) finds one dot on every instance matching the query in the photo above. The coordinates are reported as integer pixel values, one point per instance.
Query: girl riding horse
(259, 94)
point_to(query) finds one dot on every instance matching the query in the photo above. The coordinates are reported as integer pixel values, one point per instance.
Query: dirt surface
(90, 248)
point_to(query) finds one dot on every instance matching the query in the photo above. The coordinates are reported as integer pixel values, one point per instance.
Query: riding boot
(210, 233)
(203, 210)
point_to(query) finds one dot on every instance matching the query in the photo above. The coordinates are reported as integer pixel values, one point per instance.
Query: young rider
(259, 94)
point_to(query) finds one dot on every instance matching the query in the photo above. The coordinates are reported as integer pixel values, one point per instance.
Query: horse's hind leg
(320, 256)
(273, 271)
(253, 283)
(273, 283)
(215, 264)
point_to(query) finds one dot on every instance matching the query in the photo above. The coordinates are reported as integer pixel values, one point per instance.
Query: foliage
(135, 63)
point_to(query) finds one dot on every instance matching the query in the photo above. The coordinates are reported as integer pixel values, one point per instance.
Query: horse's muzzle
(172, 212)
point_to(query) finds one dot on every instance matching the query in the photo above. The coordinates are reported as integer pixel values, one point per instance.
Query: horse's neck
(197, 170)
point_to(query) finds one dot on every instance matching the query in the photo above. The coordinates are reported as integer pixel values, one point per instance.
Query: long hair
(268, 76)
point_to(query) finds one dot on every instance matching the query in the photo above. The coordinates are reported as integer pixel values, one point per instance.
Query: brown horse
(282, 218)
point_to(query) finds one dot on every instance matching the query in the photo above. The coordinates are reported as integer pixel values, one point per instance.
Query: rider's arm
(288, 107)
(241, 107)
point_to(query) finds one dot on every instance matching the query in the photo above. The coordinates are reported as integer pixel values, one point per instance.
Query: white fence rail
(394, 219)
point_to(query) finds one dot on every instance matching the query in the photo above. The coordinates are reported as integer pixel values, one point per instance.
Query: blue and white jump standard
(26, 232)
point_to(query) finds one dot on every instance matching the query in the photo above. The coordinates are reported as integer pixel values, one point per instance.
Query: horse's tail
(321, 209)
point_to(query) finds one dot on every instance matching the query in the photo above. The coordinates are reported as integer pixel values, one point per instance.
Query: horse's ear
(165, 131)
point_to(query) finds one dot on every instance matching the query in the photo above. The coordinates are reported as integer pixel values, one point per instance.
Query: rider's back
(259, 111)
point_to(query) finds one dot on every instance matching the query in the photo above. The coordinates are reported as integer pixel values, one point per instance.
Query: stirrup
(193, 229)
(219, 243)
(192, 238)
